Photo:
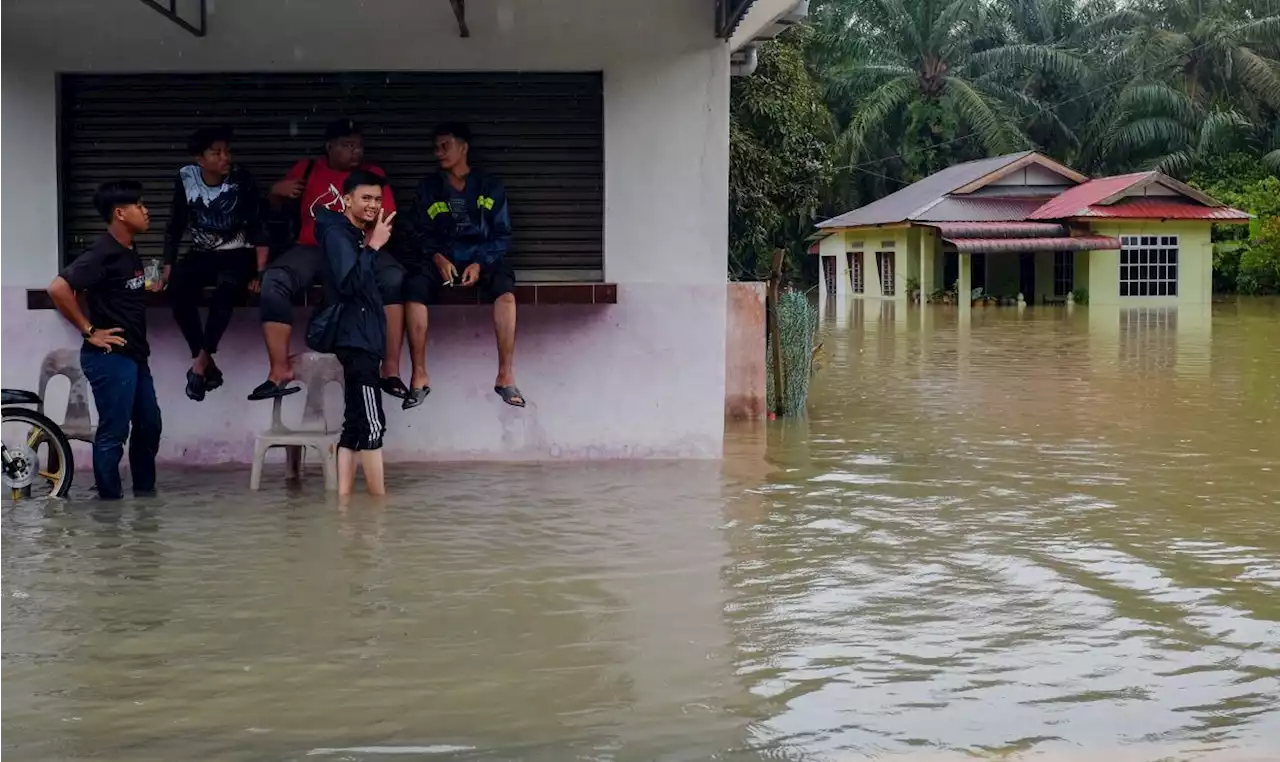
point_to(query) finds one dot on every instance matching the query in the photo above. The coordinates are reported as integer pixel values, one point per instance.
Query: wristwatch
(88, 331)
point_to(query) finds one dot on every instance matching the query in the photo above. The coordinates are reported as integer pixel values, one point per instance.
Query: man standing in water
(354, 325)
(316, 184)
(115, 351)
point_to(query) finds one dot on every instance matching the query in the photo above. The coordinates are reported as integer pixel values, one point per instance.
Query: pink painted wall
(744, 377)
(619, 381)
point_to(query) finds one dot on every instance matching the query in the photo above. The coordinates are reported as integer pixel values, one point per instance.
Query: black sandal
(196, 386)
(510, 395)
(394, 386)
(212, 377)
(269, 389)
(415, 397)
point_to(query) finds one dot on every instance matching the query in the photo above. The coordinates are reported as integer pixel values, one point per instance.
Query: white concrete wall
(649, 376)
(29, 214)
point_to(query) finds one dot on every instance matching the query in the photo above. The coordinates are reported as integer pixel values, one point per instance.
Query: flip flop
(394, 386)
(196, 386)
(510, 395)
(212, 377)
(270, 390)
(415, 397)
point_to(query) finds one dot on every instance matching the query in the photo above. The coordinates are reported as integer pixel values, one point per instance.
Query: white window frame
(857, 275)
(1148, 266)
(887, 269)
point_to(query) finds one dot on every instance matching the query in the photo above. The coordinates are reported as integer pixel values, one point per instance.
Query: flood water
(1026, 536)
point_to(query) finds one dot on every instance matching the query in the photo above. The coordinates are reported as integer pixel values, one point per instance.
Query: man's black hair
(341, 128)
(116, 193)
(456, 129)
(360, 177)
(203, 139)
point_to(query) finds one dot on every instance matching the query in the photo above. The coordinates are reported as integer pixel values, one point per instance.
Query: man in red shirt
(315, 184)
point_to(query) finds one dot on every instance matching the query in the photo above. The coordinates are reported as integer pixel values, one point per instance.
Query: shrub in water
(797, 324)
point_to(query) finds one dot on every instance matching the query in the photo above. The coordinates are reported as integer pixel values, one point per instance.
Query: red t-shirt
(324, 190)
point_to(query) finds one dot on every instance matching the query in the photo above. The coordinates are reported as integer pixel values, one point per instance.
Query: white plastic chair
(315, 371)
(66, 362)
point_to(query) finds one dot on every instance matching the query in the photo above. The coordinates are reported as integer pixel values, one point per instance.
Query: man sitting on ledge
(463, 232)
(317, 184)
(218, 202)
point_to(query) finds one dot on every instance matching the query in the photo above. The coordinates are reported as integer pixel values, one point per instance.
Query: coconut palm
(1202, 78)
(947, 63)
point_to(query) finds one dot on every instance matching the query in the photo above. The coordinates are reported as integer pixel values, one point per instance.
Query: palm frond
(984, 116)
(1156, 99)
(1036, 58)
(1259, 75)
(1220, 131)
(872, 112)
(1141, 135)
(1271, 160)
(1176, 164)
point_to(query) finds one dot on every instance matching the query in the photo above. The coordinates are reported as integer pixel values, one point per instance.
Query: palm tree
(1203, 78)
(946, 69)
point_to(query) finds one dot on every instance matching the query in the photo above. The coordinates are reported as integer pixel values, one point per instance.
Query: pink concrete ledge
(526, 293)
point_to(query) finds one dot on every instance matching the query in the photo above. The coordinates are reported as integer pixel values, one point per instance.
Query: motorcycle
(37, 457)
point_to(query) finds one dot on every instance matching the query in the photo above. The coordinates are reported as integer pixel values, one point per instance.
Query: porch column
(927, 277)
(965, 285)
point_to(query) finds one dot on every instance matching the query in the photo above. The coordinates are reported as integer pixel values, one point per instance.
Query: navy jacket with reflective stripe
(485, 237)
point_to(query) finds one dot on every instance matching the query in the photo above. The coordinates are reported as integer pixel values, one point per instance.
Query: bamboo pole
(775, 332)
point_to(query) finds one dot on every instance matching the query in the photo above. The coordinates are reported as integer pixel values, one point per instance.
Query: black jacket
(349, 276)
(477, 228)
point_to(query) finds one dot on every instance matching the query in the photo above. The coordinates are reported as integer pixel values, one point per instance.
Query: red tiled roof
(1101, 199)
(1164, 209)
(1075, 202)
(995, 245)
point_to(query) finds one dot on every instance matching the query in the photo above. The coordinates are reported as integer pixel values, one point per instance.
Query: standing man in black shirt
(218, 202)
(115, 351)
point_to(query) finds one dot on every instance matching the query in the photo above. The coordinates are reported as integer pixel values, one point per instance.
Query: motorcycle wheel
(22, 467)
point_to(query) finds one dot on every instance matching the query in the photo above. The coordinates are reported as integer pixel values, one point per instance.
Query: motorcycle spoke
(51, 476)
(34, 437)
(16, 493)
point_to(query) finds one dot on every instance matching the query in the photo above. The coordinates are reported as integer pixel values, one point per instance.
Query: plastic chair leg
(329, 462)
(255, 475)
(293, 462)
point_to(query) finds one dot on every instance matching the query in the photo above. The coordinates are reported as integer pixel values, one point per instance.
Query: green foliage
(797, 324)
(1259, 270)
(871, 95)
(1246, 259)
(779, 157)
(1226, 266)
(1080, 295)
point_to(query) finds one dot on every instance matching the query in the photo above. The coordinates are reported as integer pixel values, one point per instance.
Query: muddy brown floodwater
(1026, 536)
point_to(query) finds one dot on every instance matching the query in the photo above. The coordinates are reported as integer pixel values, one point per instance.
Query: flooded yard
(1039, 535)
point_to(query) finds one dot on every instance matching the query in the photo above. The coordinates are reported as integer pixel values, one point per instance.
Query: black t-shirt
(112, 278)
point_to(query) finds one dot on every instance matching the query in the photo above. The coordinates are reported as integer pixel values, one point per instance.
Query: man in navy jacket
(463, 231)
(350, 242)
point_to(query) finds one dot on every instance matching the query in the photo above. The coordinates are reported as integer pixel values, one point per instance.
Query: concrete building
(1025, 224)
(608, 122)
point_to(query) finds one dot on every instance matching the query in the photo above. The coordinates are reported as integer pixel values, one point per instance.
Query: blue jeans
(124, 393)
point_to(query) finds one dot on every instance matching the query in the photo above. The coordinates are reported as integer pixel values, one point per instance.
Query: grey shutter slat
(541, 134)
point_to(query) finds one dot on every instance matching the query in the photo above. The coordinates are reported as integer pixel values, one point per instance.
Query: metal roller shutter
(542, 134)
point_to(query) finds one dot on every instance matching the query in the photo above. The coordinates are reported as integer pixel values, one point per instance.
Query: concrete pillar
(965, 286)
(927, 276)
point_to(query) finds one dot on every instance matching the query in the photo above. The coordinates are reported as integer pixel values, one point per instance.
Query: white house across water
(608, 122)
